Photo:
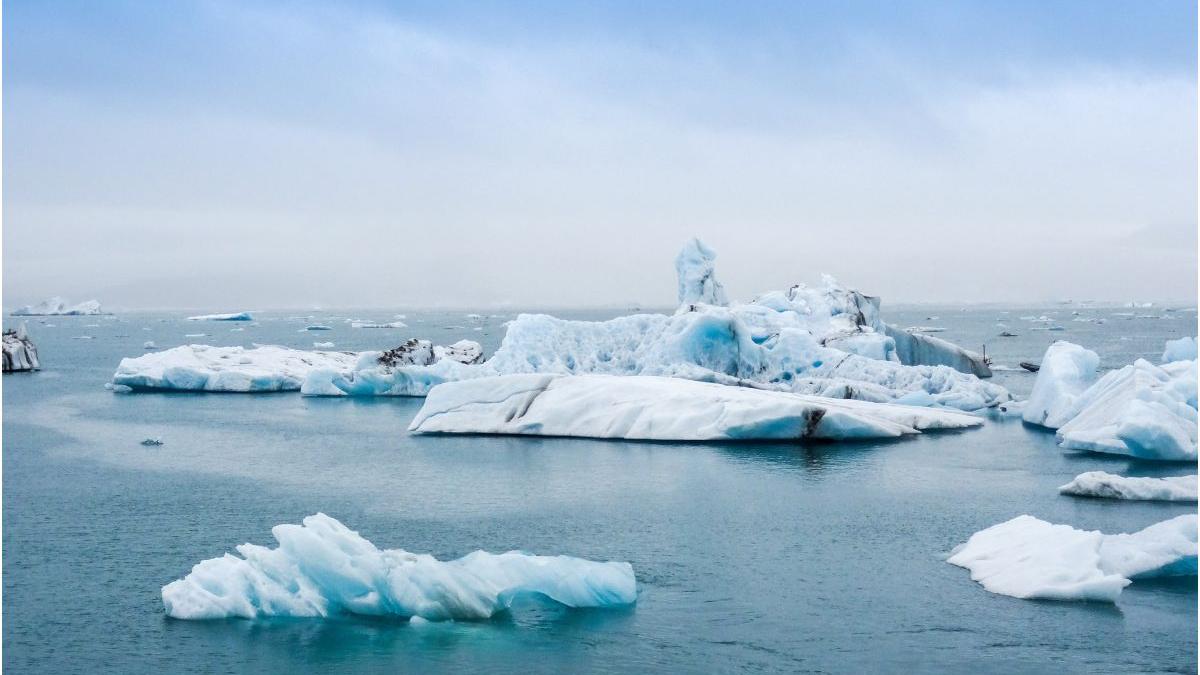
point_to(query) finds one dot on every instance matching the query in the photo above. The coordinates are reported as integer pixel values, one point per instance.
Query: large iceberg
(1030, 558)
(234, 316)
(322, 568)
(20, 354)
(1111, 486)
(1141, 410)
(662, 408)
(58, 307)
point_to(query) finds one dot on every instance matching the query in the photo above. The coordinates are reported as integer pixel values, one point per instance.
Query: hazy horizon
(214, 154)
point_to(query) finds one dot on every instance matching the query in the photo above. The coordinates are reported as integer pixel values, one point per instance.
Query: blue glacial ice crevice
(1030, 558)
(322, 568)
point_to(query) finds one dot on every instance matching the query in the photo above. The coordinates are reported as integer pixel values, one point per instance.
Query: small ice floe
(318, 327)
(475, 317)
(149, 344)
(236, 330)
(322, 568)
(152, 441)
(194, 335)
(323, 345)
(234, 316)
(1051, 328)
(371, 324)
(1008, 334)
(84, 337)
(1112, 486)
(926, 329)
(1030, 558)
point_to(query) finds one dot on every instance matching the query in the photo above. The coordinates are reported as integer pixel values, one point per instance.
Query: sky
(238, 155)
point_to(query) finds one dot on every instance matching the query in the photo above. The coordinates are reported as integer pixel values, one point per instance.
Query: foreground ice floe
(1141, 410)
(1111, 486)
(323, 568)
(20, 354)
(1030, 558)
(58, 307)
(662, 408)
(235, 316)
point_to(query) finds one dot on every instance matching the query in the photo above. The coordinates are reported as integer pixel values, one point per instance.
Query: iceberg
(1183, 349)
(411, 369)
(225, 369)
(1111, 486)
(58, 307)
(1029, 558)
(20, 354)
(1141, 410)
(662, 408)
(235, 316)
(698, 283)
(913, 348)
(322, 568)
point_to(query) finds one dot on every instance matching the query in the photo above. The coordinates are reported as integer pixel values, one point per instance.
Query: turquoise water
(771, 557)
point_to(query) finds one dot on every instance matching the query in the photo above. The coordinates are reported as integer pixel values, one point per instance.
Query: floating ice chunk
(20, 354)
(370, 324)
(1111, 486)
(1030, 558)
(58, 307)
(1183, 349)
(1066, 371)
(152, 441)
(236, 316)
(323, 345)
(149, 344)
(229, 369)
(322, 568)
(697, 281)
(318, 327)
(661, 408)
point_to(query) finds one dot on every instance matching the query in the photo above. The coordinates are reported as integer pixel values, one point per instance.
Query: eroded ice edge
(322, 568)
(662, 408)
(825, 341)
(1111, 486)
(1029, 558)
(1142, 410)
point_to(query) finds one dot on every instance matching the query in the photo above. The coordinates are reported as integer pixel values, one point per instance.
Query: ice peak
(697, 280)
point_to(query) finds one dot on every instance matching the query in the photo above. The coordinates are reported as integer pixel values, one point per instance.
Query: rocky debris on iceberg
(265, 368)
(1141, 410)
(410, 369)
(234, 316)
(662, 408)
(322, 568)
(826, 341)
(1183, 349)
(1111, 486)
(1029, 558)
(20, 354)
(58, 307)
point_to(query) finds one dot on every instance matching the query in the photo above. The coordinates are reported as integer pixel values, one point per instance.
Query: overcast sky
(253, 155)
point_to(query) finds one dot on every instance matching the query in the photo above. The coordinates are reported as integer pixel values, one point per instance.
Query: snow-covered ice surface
(662, 408)
(321, 568)
(1141, 410)
(1029, 558)
(1111, 486)
(226, 369)
(20, 354)
(234, 316)
(58, 307)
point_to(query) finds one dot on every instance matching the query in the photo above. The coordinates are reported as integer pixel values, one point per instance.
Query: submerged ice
(322, 568)
(1029, 558)
(662, 408)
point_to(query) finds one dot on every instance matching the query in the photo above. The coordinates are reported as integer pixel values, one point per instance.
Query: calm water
(772, 557)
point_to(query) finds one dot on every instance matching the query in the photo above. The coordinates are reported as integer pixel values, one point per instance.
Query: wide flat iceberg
(322, 568)
(234, 316)
(56, 306)
(1029, 558)
(265, 368)
(1111, 486)
(1141, 410)
(662, 408)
